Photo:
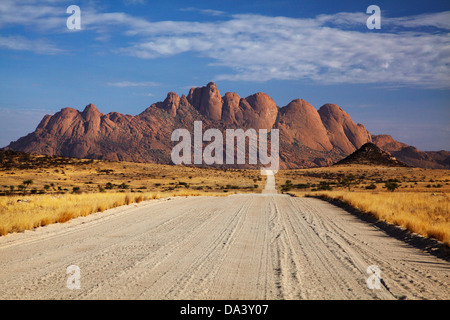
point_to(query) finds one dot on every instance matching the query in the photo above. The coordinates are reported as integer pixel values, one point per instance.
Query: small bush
(185, 184)
(65, 216)
(76, 189)
(287, 186)
(302, 186)
(324, 186)
(109, 186)
(101, 208)
(391, 186)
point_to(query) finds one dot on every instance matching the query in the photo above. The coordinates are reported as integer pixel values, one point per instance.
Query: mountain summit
(308, 137)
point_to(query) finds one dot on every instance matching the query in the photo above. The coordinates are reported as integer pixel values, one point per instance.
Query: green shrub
(302, 186)
(76, 189)
(109, 186)
(123, 186)
(391, 186)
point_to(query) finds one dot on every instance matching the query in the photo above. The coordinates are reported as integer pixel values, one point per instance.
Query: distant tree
(325, 186)
(391, 185)
(302, 186)
(109, 186)
(76, 189)
(371, 187)
(287, 186)
(124, 186)
(347, 181)
(25, 184)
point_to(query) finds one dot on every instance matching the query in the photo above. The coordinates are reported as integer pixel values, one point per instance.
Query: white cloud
(327, 49)
(209, 12)
(37, 15)
(19, 43)
(333, 48)
(125, 84)
(259, 48)
(440, 20)
(134, 2)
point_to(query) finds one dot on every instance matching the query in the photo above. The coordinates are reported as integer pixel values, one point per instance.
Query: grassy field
(421, 213)
(32, 174)
(420, 202)
(364, 178)
(18, 214)
(39, 190)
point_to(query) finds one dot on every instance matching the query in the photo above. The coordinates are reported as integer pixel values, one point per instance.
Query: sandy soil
(265, 246)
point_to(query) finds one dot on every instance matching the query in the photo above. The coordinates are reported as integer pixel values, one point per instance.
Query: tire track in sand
(236, 247)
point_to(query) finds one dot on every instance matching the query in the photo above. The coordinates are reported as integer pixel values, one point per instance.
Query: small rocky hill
(371, 154)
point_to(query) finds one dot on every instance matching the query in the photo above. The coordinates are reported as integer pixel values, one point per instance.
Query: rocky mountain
(411, 155)
(371, 154)
(308, 137)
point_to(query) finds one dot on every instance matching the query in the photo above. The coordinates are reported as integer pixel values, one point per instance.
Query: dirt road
(264, 246)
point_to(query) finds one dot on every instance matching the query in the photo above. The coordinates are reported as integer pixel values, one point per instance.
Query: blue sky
(131, 53)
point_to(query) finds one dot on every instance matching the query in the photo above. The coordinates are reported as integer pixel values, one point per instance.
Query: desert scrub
(25, 213)
(426, 214)
(19, 213)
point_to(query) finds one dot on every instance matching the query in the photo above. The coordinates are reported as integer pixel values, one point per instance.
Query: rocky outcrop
(259, 111)
(411, 155)
(342, 131)
(231, 113)
(207, 101)
(371, 154)
(308, 137)
(171, 103)
(299, 121)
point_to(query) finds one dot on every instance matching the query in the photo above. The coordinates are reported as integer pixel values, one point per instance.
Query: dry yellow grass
(92, 176)
(62, 188)
(410, 179)
(18, 213)
(426, 214)
(420, 204)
